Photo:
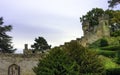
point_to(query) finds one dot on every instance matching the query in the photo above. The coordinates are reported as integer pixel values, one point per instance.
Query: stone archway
(14, 69)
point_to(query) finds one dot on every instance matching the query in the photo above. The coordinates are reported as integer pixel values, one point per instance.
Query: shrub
(99, 43)
(116, 33)
(103, 42)
(71, 59)
(56, 62)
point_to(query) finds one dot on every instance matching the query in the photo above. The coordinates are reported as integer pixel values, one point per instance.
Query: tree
(40, 44)
(92, 16)
(5, 40)
(57, 62)
(115, 33)
(114, 21)
(113, 3)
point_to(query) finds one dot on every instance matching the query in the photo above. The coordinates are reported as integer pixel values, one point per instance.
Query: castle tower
(26, 46)
(104, 25)
(93, 33)
(27, 51)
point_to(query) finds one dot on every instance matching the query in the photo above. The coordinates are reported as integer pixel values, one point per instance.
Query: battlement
(2, 55)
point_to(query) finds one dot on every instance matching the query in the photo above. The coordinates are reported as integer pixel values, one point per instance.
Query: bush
(71, 59)
(99, 43)
(116, 33)
(57, 62)
(103, 42)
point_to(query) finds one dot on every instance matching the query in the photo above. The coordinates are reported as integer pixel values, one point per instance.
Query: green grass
(107, 58)
(108, 63)
(111, 48)
(106, 53)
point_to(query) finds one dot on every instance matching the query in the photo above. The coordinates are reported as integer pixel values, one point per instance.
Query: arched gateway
(13, 70)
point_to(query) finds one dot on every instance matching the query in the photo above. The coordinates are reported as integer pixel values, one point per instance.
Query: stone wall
(25, 62)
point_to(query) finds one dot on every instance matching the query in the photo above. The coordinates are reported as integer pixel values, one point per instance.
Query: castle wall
(25, 62)
(93, 33)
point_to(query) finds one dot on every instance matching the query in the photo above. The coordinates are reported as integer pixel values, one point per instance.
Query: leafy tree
(92, 16)
(114, 21)
(113, 3)
(114, 16)
(5, 40)
(57, 62)
(86, 59)
(115, 33)
(40, 44)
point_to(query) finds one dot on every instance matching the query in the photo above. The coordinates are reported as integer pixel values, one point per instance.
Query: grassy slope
(107, 56)
(108, 62)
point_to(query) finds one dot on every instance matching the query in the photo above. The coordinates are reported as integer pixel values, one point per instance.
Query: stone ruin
(93, 33)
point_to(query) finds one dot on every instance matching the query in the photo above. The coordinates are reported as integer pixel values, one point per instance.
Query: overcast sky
(55, 20)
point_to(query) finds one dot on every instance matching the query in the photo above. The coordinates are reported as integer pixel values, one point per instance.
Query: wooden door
(14, 70)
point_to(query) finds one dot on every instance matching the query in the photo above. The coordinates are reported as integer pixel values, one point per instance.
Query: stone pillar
(26, 46)
(25, 49)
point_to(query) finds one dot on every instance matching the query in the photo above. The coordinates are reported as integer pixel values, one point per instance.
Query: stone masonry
(93, 33)
(18, 64)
